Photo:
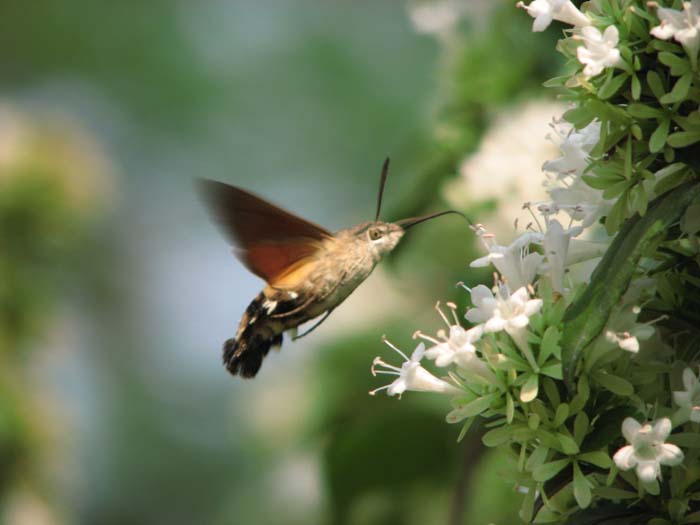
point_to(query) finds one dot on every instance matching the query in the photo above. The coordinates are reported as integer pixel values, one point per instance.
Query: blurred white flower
(646, 450)
(544, 11)
(411, 375)
(514, 262)
(556, 248)
(575, 147)
(599, 50)
(509, 179)
(567, 190)
(435, 17)
(688, 399)
(683, 26)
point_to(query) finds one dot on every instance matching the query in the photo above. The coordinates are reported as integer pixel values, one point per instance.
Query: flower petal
(624, 458)
(670, 455)
(630, 429)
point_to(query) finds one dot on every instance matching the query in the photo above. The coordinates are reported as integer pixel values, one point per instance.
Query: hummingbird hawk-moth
(309, 271)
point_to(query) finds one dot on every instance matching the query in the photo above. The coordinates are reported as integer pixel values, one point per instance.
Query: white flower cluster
(494, 311)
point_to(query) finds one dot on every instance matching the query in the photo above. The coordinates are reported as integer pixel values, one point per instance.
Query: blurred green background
(116, 291)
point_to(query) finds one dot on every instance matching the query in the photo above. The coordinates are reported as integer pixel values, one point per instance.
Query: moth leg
(316, 325)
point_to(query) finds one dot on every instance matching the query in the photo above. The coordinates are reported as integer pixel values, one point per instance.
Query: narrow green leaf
(679, 91)
(549, 470)
(586, 317)
(613, 493)
(497, 436)
(636, 87)
(465, 428)
(568, 444)
(552, 392)
(582, 490)
(560, 415)
(644, 111)
(529, 390)
(678, 65)
(681, 139)
(685, 439)
(611, 86)
(581, 427)
(549, 344)
(510, 409)
(655, 84)
(616, 385)
(554, 370)
(657, 141)
(599, 459)
(537, 458)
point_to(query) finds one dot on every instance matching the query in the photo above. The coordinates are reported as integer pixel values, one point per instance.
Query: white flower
(503, 311)
(507, 176)
(411, 375)
(436, 17)
(625, 340)
(599, 50)
(575, 147)
(647, 450)
(544, 11)
(458, 347)
(515, 263)
(683, 26)
(556, 247)
(689, 398)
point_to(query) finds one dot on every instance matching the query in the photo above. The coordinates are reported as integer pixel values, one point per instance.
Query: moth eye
(375, 233)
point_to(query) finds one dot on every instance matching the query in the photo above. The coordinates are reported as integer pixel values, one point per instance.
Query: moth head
(383, 237)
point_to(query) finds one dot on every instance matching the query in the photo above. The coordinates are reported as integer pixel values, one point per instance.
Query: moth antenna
(382, 183)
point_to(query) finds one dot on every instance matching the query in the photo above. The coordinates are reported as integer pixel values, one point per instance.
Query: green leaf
(613, 493)
(655, 84)
(692, 518)
(685, 439)
(586, 316)
(690, 223)
(497, 436)
(560, 415)
(678, 65)
(614, 384)
(465, 428)
(554, 370)
(643, 111)
(681, 139)
(476, 407)
(599, 459)
(658, 138)
(568, 444)
(636, 87)
(582, 490)
(581, 424)
(527, 509)
(549, 344)
(510, 409)
(529, 390)
(552, 392)
(549, 470)
(612, 86)
(679, 91)
(537, 458)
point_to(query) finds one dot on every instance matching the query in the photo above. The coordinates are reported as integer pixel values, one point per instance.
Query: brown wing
(271, 242)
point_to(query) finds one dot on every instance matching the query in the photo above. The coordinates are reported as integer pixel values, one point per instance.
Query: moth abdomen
(243, 354)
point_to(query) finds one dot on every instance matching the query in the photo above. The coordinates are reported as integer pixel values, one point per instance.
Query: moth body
(309, 271)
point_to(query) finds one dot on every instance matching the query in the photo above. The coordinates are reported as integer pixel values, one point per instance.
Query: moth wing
(274, 244)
